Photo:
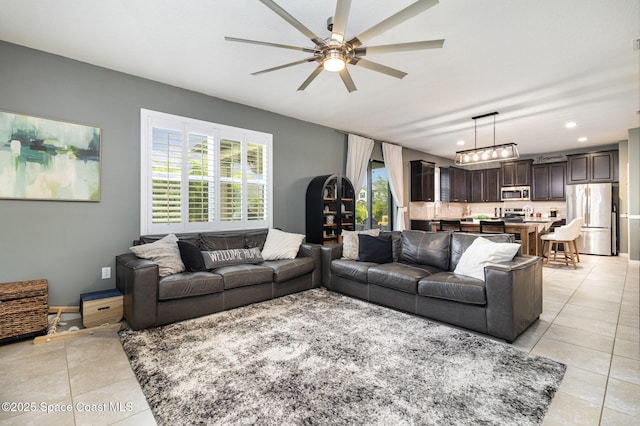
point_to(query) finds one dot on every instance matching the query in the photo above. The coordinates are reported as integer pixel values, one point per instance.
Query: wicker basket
(24, 308)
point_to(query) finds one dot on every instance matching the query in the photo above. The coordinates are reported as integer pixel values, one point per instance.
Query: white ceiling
(538, 63)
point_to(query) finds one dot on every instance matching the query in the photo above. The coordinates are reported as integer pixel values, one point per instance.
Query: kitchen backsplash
(425, 211)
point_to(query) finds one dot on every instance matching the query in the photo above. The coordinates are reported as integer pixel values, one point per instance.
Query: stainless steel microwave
(515, 193)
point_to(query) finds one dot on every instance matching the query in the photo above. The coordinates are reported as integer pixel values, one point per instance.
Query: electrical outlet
(106, 272)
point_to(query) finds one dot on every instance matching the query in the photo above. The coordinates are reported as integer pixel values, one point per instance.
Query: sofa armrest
(514, 295)
(313, 251)
(137, 279)
(329, 253)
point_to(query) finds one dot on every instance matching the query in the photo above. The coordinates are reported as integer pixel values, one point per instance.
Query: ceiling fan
(334, 53)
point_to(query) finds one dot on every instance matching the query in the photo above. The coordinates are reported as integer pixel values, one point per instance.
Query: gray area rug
(318, 357)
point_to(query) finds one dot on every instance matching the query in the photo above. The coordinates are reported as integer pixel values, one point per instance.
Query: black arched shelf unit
(330, 209)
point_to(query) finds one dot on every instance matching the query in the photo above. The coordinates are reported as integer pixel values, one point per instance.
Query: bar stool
(450, 225)
(567, 236)
(492, 227)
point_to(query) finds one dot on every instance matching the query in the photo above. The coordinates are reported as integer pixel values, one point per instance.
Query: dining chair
(450, 225)
(566, 236)
(492, 227)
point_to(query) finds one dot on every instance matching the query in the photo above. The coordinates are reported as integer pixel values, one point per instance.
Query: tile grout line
(66, 359)
(606, 386)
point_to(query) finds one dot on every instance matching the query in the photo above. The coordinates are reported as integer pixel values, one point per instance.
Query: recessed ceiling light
(460, 142)
(570, 124)
(582, 139)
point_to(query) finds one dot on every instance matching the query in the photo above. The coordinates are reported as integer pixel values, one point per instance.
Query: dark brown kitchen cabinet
(549, 182)
(455, 185)
(516, 173)
(485, 185)
(422, 181)
(593, 167)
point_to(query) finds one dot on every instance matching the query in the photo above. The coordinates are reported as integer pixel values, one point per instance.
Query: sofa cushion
(460, 242)
(217, 258)
(396, 243)
(351, 269)
(426, 248)
(191, 256)
(222, 242)
(483, 252)
(350, 242)
(427, 268)
(187, 284)
(449, 286)
(397, 276)
(281, 245)
(375, 249)
(255, 238)
(286, 269)
(146, 239)
(245, 275)
(164, 253)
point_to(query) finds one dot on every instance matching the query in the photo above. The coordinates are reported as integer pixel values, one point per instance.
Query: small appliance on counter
(553, 212)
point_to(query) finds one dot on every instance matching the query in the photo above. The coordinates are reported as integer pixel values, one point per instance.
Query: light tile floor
(590, 322)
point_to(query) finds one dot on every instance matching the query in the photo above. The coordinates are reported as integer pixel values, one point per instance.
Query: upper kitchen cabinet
(594, 167)
(516, 173)
(455, 185)
(549, 181)
(485, 185)
(422, 181)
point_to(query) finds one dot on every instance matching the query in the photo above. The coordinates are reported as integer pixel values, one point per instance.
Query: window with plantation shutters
(199, 176)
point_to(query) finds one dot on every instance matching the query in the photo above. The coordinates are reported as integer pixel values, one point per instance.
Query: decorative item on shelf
(508, 151)
(330, 220)
(343, 208)
(326, 208)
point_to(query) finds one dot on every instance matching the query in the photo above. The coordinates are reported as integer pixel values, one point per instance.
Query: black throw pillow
(375, 249)
(191, 256)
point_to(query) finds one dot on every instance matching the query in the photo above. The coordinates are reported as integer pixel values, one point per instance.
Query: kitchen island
(529, 232)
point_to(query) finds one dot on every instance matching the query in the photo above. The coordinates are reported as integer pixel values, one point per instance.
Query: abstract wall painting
(43, 159)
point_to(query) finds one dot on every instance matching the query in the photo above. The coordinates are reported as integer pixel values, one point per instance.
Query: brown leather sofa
(421, 281)
(152, 301)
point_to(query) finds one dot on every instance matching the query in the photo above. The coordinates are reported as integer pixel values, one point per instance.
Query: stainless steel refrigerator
(593, 202)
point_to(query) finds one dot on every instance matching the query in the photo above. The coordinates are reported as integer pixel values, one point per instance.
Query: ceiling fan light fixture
(335, 61)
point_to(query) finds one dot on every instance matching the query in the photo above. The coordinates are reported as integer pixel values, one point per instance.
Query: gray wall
(69, 242)
(623, 188)
(633, 150)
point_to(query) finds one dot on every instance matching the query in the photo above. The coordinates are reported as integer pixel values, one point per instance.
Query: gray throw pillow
(217, 258)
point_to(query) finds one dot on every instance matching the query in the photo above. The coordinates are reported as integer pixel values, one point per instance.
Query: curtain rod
(363, 136)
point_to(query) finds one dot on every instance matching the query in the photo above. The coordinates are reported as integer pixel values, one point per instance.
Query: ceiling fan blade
(347, 80)
(400, 47)
(294, 22)
(392, 21)
(309, 79)
(279, 67)
(266, 43)
(340, 20)
(373, 66)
